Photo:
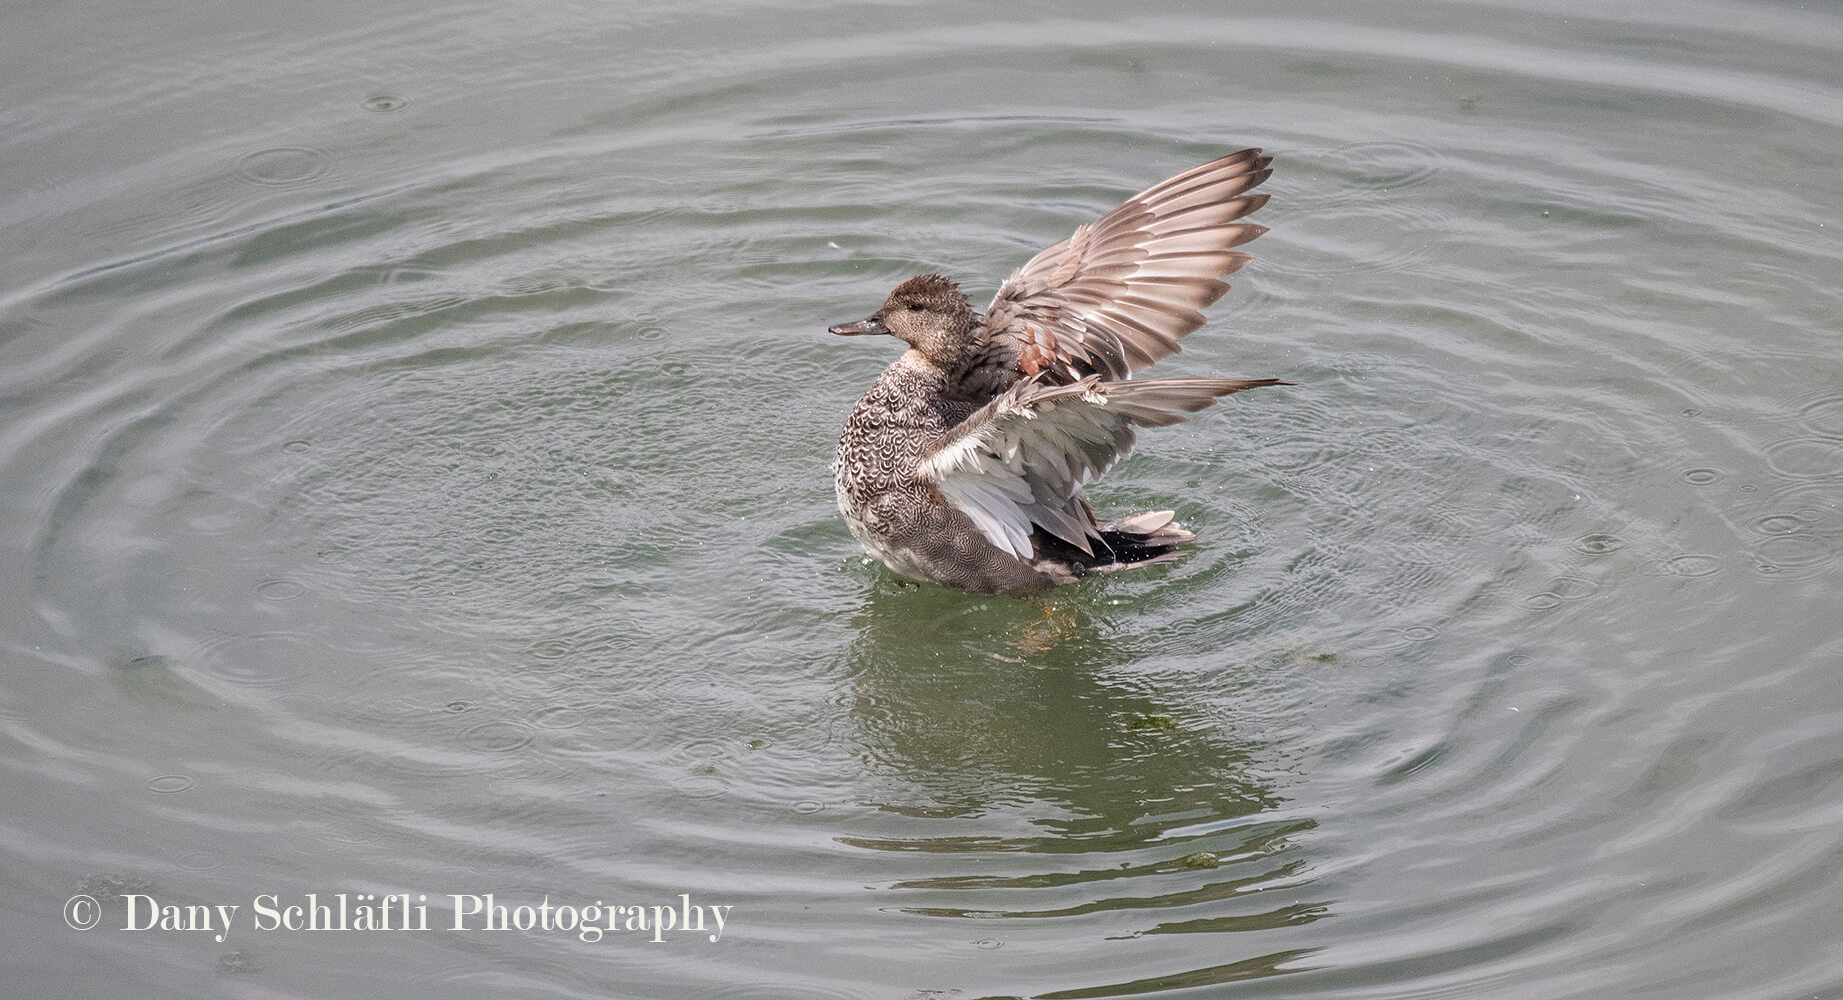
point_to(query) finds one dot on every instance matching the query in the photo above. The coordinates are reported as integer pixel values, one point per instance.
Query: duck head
(929, 312)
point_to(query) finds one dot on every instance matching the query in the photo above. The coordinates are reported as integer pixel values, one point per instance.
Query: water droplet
(1701, 477)
(1779, 524)
(167, 784)
(457, 707)
(383, 104)
(297, 446)
(808, 807)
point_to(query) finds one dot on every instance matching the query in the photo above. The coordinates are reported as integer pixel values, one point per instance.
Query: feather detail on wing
(1116, 296)
(1021, 459)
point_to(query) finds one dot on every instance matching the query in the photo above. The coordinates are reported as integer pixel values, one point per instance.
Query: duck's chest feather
(893, 427)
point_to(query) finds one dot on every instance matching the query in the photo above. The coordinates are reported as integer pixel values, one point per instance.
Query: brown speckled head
(930, 313)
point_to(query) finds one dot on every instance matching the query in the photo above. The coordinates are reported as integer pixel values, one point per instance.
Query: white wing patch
(988, 487)
(1020, 461)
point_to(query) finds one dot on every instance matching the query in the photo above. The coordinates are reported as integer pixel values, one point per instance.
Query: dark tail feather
(1140, 540)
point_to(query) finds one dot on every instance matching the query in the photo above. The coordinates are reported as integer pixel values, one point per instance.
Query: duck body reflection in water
(963, 465)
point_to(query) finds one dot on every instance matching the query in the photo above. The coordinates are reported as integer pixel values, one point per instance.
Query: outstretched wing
(1117, 295)
(1021, 459)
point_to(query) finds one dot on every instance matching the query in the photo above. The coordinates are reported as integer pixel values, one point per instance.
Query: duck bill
(868, 325)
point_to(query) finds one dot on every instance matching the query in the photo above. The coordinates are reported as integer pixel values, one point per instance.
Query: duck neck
(934, 366)
(950, 352)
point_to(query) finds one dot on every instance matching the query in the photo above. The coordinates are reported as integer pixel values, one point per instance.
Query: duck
(963, 463)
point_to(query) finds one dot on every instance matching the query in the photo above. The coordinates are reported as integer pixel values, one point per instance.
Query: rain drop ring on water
(1809, 458)
(1824, 416)
(279, 590)
(1691, 564)
(281, 166)
(550, 649)
(1386, 164)
(1598, 544)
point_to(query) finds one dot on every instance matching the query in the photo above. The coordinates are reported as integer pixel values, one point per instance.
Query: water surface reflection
(1053, 787)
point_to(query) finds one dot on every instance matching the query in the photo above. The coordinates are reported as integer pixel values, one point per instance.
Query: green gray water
(414, 430)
